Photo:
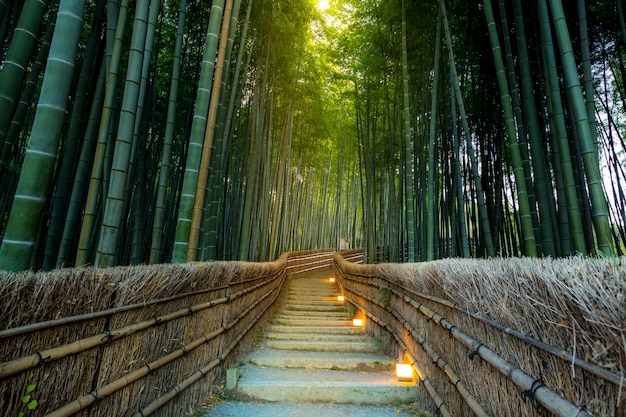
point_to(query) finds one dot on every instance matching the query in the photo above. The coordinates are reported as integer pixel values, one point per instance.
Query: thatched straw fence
(502, 337)
(131, 341)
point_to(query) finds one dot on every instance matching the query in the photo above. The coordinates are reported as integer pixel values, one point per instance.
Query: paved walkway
(312, 362)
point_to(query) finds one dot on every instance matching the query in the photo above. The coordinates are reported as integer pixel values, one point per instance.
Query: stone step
(362, 362)
(293, 314)
(317, 337)
(310, 291)
(313, 307)
(326, 297)
(323, 346)
(298, 298)
(314, 329)
(345, 387)
(312, 284)
(299, 409)
(311, 322)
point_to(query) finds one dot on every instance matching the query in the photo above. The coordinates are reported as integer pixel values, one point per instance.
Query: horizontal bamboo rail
(437, 359)
(99, 314)
(441, 406)
(306, 261)
(559, 353)
(239, 307)
(161, 401)
(100, 393)
(351, 276)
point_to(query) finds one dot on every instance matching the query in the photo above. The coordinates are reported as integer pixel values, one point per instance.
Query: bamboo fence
(502, 337)
(146, 340)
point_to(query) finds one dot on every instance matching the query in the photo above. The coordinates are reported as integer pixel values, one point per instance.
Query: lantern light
(357, 322)
(404, 371)
(332, 279)
(340, 298)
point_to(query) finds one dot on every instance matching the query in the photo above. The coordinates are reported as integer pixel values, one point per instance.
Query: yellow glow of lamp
(404, 371)
(332, 279)
(357, 322)
(341, 298)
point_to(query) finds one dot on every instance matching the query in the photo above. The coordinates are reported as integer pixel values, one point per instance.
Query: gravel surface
(246, 409)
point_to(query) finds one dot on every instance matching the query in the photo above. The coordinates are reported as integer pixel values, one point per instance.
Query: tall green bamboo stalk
(408, 144)
(16, 60)
(203, 176)
(430, 198)
(196, 139)
(528, 233)
(542, 183)
(166, 155)
(114, 210)
(599, 207)
(34, 186)
(480, 195)
(96, 183)
(557, 115)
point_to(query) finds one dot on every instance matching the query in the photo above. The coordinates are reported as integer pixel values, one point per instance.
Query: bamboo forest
(169, 131)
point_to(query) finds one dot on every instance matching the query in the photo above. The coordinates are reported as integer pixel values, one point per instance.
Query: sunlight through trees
(239, 129)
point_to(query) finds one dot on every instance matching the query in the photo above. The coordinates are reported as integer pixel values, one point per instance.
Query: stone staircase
(311, 353)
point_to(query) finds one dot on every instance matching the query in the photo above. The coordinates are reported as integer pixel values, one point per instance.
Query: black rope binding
(450, 335)
(108, 337)
(42, 360)
(475, 352)
(456, 384)
(530, 393)
(438, 411)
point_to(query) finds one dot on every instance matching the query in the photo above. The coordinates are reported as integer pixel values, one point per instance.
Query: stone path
(312, 358)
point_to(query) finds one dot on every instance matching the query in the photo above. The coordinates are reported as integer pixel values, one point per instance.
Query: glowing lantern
(332, 279)
(341, 298)
(404, 371)
(357, 322)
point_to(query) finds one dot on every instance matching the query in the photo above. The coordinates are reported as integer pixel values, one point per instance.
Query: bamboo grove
(173, 131)
(488, 128)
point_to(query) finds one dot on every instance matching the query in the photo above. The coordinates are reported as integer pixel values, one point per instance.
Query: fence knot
(450, 335)
(530, 393)
(42, 360)
(475, 352)
(438, 411)
(108, 337)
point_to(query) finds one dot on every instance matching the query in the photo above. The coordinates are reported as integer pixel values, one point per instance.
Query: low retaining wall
(504, 337)
(130, 341)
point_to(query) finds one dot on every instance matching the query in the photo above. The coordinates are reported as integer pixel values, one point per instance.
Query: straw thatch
(120, 340)
(576, 306)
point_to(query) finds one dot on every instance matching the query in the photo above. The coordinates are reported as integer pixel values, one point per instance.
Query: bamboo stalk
(546, 397)
(94, 396)
(441, 406)
(86, 400)
(196, 376)
(98, 314)
(27, 362)
(581, 363)
(559, 353)
(460, 386)
(531, 387)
